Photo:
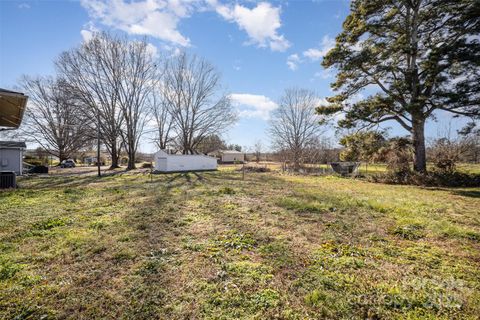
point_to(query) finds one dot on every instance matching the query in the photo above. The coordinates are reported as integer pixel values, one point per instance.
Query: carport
(12, 107)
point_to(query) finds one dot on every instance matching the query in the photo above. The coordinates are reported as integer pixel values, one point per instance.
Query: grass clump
(236, 240)
(301, 205)
(50, 223)
(412, 231)
(226, 190)
(9, 269)
(277, 254)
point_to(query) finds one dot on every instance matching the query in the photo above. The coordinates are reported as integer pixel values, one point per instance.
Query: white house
(165, 162)
(11, 156)
(228, 156)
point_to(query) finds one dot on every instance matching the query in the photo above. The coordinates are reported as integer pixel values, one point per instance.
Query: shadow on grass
(70, 181)
(467, 193)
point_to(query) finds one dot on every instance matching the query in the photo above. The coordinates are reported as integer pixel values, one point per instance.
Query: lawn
(214, 246)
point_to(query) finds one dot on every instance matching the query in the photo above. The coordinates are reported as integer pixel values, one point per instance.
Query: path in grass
(215, 246)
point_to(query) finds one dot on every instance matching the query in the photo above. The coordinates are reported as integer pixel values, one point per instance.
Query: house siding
(11, 160)
(176, 163)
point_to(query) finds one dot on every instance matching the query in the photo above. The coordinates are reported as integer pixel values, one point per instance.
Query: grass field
(214, 246)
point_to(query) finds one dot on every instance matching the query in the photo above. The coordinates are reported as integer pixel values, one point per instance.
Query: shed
(11, 156)
(165, 162)
(228, 156)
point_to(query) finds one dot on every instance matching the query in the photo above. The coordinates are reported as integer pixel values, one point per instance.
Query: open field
(214, 246)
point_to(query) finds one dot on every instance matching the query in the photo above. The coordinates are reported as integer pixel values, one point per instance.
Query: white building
(228, 156)
(165, 162)
(11, 156)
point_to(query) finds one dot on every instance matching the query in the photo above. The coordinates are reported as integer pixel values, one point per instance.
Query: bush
(398, 155)
(146, 165)
(255, 169)
(446, 154)
(429, 179)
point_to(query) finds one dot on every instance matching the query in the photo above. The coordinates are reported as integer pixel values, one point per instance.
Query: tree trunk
(114, 157)
(418, 138)
(296, 161)
(61, 156)
(131, 160)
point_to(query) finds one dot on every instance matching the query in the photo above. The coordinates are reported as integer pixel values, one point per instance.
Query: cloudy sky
(260, 48)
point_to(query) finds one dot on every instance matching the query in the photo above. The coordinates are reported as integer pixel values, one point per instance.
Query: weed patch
(50, 224)
(413, 231)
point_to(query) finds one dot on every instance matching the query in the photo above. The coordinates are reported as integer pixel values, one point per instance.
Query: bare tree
(161, 116)
(138, 76)
(191, 91)
(258, 150)
(470, 136)
(294, 125)
(94, 72)
(53, 117)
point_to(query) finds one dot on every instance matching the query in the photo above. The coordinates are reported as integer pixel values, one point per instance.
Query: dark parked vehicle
(69, 163)
(38, 169)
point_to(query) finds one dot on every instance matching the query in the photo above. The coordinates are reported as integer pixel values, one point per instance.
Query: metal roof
(12, 144)
(12, 107)
(227, 152)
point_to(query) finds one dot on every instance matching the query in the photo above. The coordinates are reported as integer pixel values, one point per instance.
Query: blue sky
(260, 48)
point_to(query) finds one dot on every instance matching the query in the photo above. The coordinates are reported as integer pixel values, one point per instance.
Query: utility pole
(98, 147)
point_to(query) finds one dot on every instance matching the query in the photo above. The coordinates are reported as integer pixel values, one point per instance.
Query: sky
(259, 48)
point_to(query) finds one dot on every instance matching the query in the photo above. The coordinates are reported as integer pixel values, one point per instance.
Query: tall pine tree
(423, 56)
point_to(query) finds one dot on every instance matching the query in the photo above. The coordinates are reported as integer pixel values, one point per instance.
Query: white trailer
(11, 156)
(165, 162)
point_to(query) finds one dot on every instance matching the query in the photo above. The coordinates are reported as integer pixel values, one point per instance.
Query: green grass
(214, 246)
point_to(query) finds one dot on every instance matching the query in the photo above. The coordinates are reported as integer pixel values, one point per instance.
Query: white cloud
(324, 74)
(261, 23)
(152, 50)
(86, 35)
(292, 61)
(237, 65)
(156, 18)
(161, 18)
(88, 31)
(24, 6)
(252, 105)
(315, 54)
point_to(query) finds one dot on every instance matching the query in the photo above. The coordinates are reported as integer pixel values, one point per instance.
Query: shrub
(429, 179)
(254, 169)
(398, 155)
(446, 153)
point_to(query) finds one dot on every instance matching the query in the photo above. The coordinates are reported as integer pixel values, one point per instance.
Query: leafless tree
(294, 124)
(161, 116)
(53, 118)
(191, 91)
(137, 82)
(94, 72)
(258, 150)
